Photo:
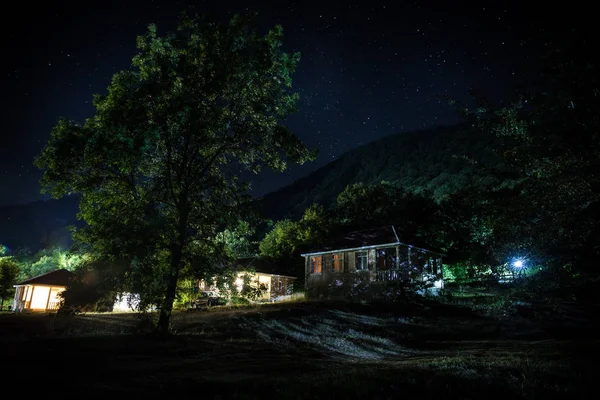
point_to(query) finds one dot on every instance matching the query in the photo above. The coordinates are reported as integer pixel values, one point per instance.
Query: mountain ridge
(436, 162)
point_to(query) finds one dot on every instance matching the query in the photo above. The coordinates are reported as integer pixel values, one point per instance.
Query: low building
(41, 293)
(262, 273)
(126, 302)
(375, 255)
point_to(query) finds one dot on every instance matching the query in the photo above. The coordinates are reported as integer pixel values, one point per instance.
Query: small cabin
(263, 273)
(375, 255)
(41, 293)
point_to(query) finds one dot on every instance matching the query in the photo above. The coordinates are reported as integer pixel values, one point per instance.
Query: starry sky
(368, 69)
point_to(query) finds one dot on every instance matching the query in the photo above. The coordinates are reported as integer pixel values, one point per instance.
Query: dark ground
(306, 350)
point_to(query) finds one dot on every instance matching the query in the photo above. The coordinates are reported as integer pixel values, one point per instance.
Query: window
(316, 264)
(361, 261)
(437, 266)
(337, 262)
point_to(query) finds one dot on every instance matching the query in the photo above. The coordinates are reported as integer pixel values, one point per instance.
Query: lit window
(316, 264)
(361, 261)
(337, 263)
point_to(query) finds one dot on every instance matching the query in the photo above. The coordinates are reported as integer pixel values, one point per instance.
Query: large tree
(161, 165)
(288, 238)
(550, 145)
(415, 216)
(9, 270)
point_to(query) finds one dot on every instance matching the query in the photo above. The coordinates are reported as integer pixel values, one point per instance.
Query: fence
(388, 275)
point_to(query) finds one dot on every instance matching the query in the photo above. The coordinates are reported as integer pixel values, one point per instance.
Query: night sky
(368, 69)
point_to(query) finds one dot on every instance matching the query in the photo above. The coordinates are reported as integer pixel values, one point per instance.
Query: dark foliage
(548, 140)
(9, 271)
(436, 163)
(93, 289)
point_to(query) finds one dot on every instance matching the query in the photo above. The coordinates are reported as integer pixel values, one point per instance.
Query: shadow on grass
(296, 351)
(192, 367)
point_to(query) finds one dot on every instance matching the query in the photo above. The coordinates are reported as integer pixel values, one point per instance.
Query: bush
(238, 301)
(187, 292)
(9, 271)
(82, 296)
(360, 288)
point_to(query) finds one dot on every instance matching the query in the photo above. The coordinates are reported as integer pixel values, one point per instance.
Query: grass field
(306, 350)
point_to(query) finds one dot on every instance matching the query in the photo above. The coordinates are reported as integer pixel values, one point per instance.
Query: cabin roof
(59, 277)
(366, 238)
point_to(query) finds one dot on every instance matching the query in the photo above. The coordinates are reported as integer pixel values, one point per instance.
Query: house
(41, 293)
(126, 302)
(375, 255)
(262, 273)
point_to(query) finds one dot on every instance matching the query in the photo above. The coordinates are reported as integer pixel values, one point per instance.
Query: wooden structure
(262, 272)
(41, 293)
(375, 255)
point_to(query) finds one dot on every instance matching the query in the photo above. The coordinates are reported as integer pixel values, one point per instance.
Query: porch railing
(389, 275)
(25, 305)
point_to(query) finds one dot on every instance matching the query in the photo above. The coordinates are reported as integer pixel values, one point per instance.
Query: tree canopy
(160, 166)
(287, 237)
(549, 141)
(9, 271)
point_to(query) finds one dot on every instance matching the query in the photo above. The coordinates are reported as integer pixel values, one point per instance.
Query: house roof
(365, 238)
(59, 277)
(263, 265)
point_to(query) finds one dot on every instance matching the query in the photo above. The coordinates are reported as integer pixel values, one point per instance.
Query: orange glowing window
(337, 263)
(317, 263)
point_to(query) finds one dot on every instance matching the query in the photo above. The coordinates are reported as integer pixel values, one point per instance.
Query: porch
(375, 255)
(42, 293)
(37, 298)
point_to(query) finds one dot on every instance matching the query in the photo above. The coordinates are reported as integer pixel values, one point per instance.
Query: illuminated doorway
(39, 299)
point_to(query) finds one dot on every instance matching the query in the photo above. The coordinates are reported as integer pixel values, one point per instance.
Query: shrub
(359, 287)
(239, 301)
(86, 295)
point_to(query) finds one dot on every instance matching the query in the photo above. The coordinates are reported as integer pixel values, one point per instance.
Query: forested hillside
(435, 162)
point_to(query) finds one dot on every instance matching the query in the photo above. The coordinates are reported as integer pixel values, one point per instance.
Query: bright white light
(518, 263)
(239, 283)
(438, 284)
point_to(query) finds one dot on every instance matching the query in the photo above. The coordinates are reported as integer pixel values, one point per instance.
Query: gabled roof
(59, 277)
(262, 265)
(364, 239)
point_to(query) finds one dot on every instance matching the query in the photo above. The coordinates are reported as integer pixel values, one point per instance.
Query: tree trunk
(166, 308)
(177, 247)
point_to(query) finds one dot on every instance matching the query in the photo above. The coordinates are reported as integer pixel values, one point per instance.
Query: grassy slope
(305, 350)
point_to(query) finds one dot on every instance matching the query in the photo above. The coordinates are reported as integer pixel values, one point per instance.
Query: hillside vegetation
(436, 162)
